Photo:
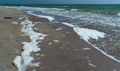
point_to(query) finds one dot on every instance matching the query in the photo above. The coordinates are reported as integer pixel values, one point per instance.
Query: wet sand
(69, 54)
(61, 50)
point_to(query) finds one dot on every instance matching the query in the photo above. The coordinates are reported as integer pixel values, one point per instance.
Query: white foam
(68, 24)
(59, 29)
(94, 34)
(14, 22)
(56, 41)
(89, 17)
(41, 16)
(25, 60)
(113, 58)
(118, 14)
(50, 43)
(86, 49)
(17, 62)
(87, 34)
(92, 65)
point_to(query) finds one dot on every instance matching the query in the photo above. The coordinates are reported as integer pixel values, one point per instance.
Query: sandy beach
(61, 50)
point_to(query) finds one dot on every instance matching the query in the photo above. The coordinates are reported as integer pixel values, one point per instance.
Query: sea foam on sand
(87, 34)
(24, 60)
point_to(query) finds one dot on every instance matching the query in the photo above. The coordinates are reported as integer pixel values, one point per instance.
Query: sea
(101, 17)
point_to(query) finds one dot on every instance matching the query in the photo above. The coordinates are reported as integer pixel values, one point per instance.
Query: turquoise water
(110, 9)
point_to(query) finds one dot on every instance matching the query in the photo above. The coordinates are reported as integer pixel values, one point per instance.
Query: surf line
(75, 27)
(24, 60)
(86, 34)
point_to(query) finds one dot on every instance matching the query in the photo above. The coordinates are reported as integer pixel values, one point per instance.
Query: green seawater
(109, 9)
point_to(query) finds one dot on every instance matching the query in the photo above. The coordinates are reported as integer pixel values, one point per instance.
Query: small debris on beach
(50, 43)
(86, 49)
(63, 35)
(14, 22)
(92, 65)
(42, 55)
(8, 17)
(59, 29)
(56, 41)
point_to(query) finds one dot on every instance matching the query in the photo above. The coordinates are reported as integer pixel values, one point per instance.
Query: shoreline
(77, 32)
(61, 52)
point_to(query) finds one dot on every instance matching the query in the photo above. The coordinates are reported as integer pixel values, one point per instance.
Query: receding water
(104, 18)
(93, 19)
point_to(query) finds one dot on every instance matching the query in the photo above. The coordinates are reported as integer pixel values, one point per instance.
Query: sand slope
(61, 50)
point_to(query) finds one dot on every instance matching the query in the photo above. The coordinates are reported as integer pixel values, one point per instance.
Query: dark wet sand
(66, 55)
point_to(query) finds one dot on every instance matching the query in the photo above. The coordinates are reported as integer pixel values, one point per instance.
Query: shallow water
(109, 24)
